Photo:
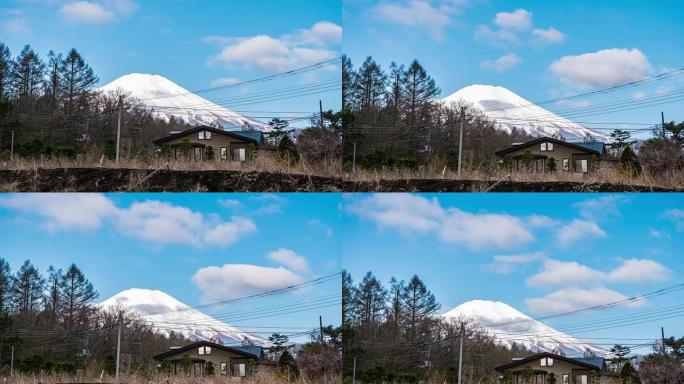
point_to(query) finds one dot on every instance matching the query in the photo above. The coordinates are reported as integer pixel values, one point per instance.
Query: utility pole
(354, 159)
(662, 120)
(320, 108)
(460, 149)
(12, 147)
(320, 327)
(662, 338)
(460, 356)
(12, 364)
(118, 349)
(118, 129)
(354, 372)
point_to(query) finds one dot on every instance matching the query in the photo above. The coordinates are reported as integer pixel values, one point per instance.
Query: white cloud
(289, 259)
(677, 217)
(507, 263)
(415, 13)
(519, 20)
(272, 204)
(151, 221)
(570, 273)
(497, 37)
(276, 54)
(96, 12)
(600, 207)
(236, 280)
(572, 299)
(638, 95)
(501, 64)
(412, 214)
(656, 234)
(603, 68)
(222, 81)
(577, 230)
(639, 271)
(574, 103)
(315, 223)
(541, 221)
(230, 203)
(63, 211)
(17, 24)
(549, 35)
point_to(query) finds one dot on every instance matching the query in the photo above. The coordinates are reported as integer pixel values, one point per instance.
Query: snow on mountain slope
(165, 98)
(167, 314)
(511, 110)
(508, 325)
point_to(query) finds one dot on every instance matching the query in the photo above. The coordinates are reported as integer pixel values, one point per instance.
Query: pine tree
(278, 127)
(347, 83)
(370, 86)
(420, 91)
(5, 71)
(620, 140)
(396, 73)
(395, 305)
(278, 344)
(77, 80)
(630, 162)
(27, 74)
(419, 304)
(27, 289)
(5, 285)
(370, 300)
(77, 295)
(347, 296)
(288, 150)
(54, 294)
(52, 88)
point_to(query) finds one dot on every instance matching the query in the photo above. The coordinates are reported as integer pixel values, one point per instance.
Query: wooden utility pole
(662, 338)
(118, 129)
(460, 356)
(320, 109)
(662, 121)
(320, 327)
(118, 348)
(354, 372)
(12, 147)
(460, 144)
(12, 363)
(354, 159)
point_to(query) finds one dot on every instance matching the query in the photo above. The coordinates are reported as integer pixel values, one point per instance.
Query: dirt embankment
(114, 180)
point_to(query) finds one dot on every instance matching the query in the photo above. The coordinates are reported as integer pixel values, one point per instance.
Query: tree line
(394, 334)
(393, 119)
(49, 323)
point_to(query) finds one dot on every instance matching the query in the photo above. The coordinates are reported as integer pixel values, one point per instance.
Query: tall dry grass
(259, 378)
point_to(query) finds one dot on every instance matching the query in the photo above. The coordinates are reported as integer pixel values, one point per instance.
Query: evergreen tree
(620, 140)
(628, 374)
(77, 80)
(395, 305)
(77, 296)
(347, 296)
(347, 83)
(278, 127)
(5, 286)
(27, 74)
(370, 86)
(27, 289)
(370, 300)
(278, 344)
(54, 294)
(419, 304)
(52, 88)
(395, 78)
(288, 150)
(630, 162)
(5, 71)
(288, 365)
(420, 90)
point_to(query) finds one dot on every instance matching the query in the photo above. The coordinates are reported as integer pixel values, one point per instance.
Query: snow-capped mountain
(165, 98)
(510, 110)
(167, 314)
(507, 325)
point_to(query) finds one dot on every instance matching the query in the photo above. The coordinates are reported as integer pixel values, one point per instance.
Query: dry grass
(259, 378)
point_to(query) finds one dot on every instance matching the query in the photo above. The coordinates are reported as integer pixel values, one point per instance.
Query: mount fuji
(510, 110)
(164, 99)
(166, 314)
(507, 325)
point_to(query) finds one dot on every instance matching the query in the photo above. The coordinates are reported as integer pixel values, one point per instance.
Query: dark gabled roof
(579, 146)
(597, 146)
(594, 360)
(581, 362)
(250, 351)
(253, 136)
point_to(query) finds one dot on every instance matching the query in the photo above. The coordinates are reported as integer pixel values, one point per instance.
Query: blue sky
(542, 254)
(197, 44)
(540, 50)
(198, 248)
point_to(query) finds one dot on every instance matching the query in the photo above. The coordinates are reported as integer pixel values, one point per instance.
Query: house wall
(559, 153)
(560, 368)
(217, 142)
(217, 357)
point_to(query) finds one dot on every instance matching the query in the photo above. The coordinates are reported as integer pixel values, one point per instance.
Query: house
(537, 369)
(535, 155)
(194, 359)
(193, 144)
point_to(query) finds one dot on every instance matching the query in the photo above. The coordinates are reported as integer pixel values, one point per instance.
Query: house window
(239, 154)
(581, 165)
(566, 165)
(543, 147)
(565, 379)
(239, 370)
(204, 135)
(204, 350)
(224, 153)
(549, 146)
(581, 379)
(546, 362)
(224, 369)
